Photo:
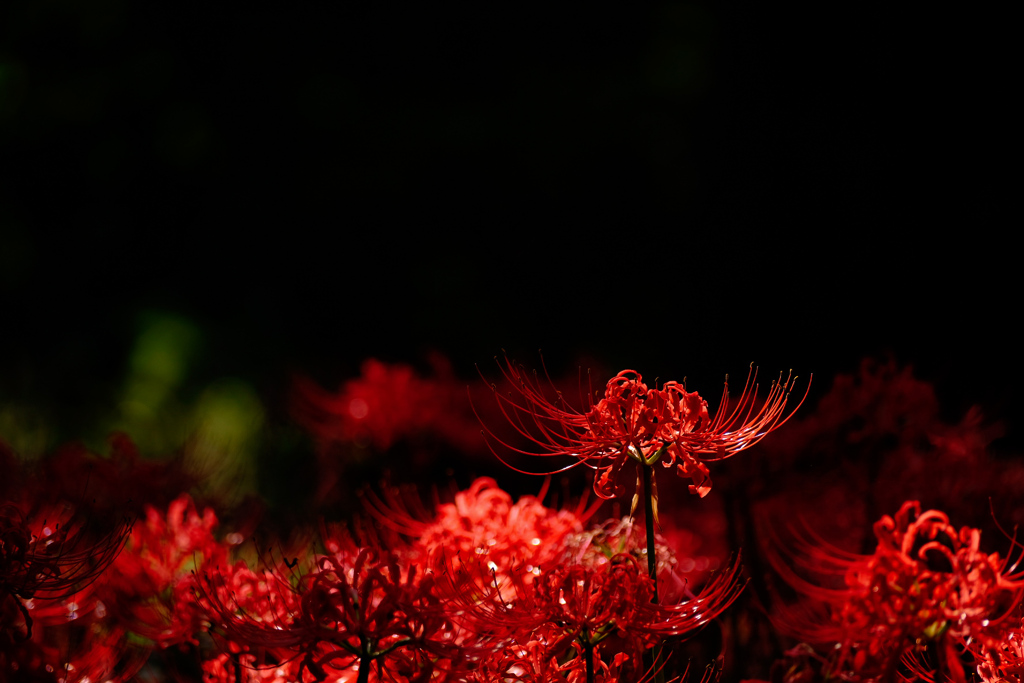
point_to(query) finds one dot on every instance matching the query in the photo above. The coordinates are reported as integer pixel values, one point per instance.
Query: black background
(677, 188)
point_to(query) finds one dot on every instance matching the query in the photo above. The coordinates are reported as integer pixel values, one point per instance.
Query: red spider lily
(232, 668)
(484, 520)
(388, 402)
(357, 607)
(925, 583)
(880, 436)
(144, 601)
(572, 606)
(635, 422)
(530, 662)
(800, 664)
(386, 405)
(150, 588)
(257, 601)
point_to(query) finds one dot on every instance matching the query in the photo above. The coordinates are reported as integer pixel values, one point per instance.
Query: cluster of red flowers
(483, 587)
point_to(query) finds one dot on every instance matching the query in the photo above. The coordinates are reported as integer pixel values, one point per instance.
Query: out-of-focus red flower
(110, 487)
(144, 601)
(800, 664)
(387, 403)
(633, 422)
(23, 660)
(231, 668)
(876, 438)
(925, 583)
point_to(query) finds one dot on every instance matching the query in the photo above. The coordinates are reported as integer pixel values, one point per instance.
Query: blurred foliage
(24, 430)
(218, 425)
(227, 424)
(149, 404)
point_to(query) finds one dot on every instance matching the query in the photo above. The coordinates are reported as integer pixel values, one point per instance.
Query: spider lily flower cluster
(413, 610)
(483, 586)
(396, 604)
(358, 606)
(923, 601)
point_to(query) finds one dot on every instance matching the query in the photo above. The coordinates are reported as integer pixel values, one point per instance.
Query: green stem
(588, 654)
(652, 558)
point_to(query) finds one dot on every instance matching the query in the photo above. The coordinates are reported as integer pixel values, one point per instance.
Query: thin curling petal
(634, 422)
(58, 561)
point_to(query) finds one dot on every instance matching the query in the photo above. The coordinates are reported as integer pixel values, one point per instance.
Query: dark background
(681, 188)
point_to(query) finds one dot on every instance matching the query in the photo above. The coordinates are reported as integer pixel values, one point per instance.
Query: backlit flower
(634, 422)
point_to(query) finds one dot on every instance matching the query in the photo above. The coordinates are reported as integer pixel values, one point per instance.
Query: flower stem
(652, 558)
(365, 662)
(588, 653)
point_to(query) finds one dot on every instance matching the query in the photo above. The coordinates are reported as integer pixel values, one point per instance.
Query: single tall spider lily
(634, 422)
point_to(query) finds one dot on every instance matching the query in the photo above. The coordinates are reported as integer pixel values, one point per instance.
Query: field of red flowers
(852, 533)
